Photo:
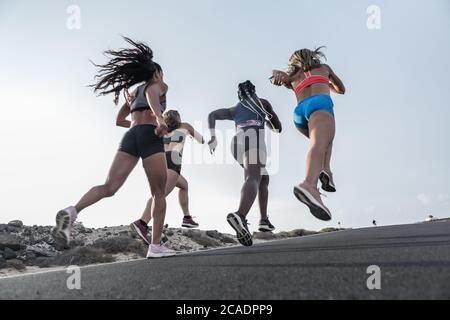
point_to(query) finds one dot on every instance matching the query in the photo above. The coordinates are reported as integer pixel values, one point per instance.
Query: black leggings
(251, 141)
(174, 161)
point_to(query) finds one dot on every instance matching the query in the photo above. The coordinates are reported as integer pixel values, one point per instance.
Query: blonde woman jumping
(312, 81)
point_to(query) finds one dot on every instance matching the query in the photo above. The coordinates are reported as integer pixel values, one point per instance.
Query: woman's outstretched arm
(274, 122)
(336, 84)
(194, 134)
(281, 78)
(220, 114)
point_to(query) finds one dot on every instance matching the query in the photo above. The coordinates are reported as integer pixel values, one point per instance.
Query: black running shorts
(174, 161)
(142, 142)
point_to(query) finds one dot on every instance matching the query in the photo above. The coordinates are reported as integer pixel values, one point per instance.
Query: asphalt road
(414, 263)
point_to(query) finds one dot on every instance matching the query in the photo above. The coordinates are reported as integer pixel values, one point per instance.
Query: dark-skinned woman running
(174, 144)
(312, 81)
(250, 115)
(144, 139)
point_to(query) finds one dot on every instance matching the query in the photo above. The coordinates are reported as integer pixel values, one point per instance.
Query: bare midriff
(143, 117)
(315, 89)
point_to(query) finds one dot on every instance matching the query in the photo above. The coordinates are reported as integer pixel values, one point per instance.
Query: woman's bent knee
(109, 190)
(158, 194)
(265, 179)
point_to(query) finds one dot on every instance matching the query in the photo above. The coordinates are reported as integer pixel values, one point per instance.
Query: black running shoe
(239, 224)
(265, 225)
(141, 229)
(188, 222)
(327, 182)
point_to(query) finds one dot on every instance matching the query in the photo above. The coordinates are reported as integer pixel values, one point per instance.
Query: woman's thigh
(155, 168)
(172, 180)
(322, 128)
(121, 168)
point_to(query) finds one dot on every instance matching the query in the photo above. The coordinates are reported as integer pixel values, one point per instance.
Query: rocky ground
(30, 248)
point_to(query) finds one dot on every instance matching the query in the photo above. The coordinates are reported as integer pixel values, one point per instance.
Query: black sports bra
(140, 103)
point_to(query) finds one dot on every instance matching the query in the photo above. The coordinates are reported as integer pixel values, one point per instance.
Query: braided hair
(249, 99)
(125, 68)
(246, 90)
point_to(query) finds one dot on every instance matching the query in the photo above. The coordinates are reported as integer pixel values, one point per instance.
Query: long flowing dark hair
(125, 68)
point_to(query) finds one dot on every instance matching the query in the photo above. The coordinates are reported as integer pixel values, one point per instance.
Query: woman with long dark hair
(250, 116)
(144, 139)
(312, 81)
(174, 144)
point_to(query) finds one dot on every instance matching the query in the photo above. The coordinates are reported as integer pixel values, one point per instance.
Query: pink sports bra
(309, 81)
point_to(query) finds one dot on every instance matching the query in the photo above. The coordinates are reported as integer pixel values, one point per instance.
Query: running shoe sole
(317, 211)
(266, 229)
(62, 222)
(326, 183)
(190, 226)
(160, 255)
(243, 235)
(139, 233)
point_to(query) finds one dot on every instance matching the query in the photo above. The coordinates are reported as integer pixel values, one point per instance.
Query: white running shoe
(64, 222)
(316, 207)
(159, 251)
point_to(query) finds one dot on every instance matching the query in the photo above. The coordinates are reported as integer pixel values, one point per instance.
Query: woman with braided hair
(312, 81)
(250, 116)
(144, 139)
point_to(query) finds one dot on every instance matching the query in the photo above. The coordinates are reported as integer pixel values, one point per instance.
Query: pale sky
(391, 157)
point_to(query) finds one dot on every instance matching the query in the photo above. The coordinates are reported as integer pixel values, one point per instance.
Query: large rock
(10, 241)
(16, 224)
(15, 264)
(204, 240)
(327, 230)
(41, 252)
(188, 232)
(9, 254)
(214, 234)
(220, 236)
(3, 227)
(78, 226)
(2, 263)
(264, 235)
(227, 239)
(80, 256)
(120, 245)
